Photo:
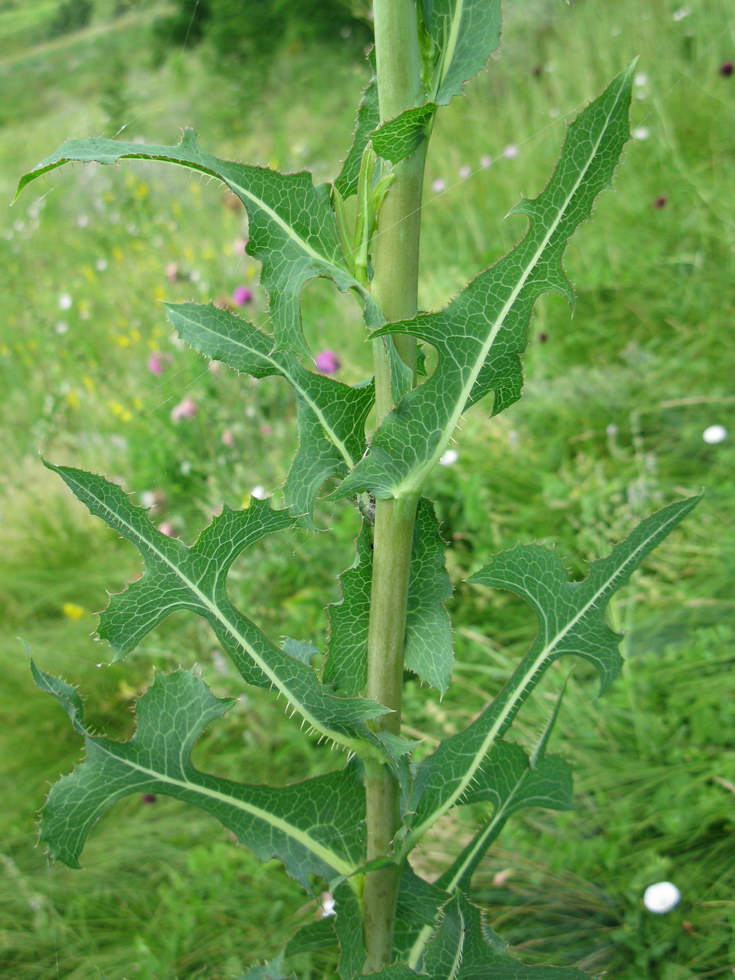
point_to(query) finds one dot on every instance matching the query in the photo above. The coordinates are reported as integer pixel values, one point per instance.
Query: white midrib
(451, 45)
(322, 852)
(333, 437)
(230, 627)
(520, 686)
(415, 480)
(423, 937)
(257, 201)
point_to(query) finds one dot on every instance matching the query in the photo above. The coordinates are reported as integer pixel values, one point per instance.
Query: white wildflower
(661, 897)
(714, 434)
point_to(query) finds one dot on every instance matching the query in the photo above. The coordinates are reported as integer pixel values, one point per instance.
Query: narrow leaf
(349, 929)
(314, 827)
(571, 621)
(460, 36)
(510, 780)
(464, 948)
(331, 416)
(292, 228)
(465, 33)
(482, 332)
(428, 651)
(368, 117)
(178, 577)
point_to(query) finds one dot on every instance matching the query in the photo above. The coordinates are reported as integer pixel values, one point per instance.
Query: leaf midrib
(285, 373)
(303, 838)
(216, 612)
(524, 680)
(415, 480)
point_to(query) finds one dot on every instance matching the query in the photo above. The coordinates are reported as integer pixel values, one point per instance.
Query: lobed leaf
(178, 577)
(292, 227)
(313, 827)
(510, 780)
(368, 118)
(464, 33)
(464, 948)
(571, 621)
(428, 650)
(331, 416)
(457, 38)
(482, 332)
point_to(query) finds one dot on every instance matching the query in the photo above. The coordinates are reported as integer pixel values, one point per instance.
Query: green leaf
(510, 780)
(349, 929)
(459, 36)
(464, 35)
(482, 332)
(400, 137)
(331, 416)
(178, 577)
(313, 827)
(484, 954)
(368, 117)
(428, 651)
(464, 948)
(291, 223)
(571, 621)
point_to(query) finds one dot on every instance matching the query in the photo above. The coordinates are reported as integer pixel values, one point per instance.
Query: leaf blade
(331, 416)
(571, 622)
(428, 650)
(195, 579)
(482, 332)
(282, 822)
(292, 227)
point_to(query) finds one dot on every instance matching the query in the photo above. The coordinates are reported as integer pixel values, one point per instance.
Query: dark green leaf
(314, 827)
(482, 332)
(331, 416)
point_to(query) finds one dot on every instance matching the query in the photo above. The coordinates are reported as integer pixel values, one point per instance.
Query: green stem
(395, 287)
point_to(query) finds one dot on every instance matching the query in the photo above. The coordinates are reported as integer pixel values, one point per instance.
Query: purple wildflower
(186, 409)
(149, 797)
(661, 202)
(726, 69)
(241, 295)
(157, 362)
(327, 362)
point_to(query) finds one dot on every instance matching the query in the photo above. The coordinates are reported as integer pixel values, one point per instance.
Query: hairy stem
(395, 286)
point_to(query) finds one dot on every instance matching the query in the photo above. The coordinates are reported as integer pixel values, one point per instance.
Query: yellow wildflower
(72, 611)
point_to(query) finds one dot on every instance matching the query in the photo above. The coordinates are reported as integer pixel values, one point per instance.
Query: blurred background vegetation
(618, 401)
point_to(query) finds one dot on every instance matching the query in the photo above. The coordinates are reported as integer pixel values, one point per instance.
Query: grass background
(617, 399)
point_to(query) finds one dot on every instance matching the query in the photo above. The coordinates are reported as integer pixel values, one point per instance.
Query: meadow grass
(617, 399)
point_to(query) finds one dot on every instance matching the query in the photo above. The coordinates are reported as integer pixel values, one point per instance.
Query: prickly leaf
(482, 332)
(292, 228)
(571, 621)
(310, 826)
(331, 415)
(179, 577)
(428, 651)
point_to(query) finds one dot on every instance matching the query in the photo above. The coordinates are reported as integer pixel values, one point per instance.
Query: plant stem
(395, 286)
